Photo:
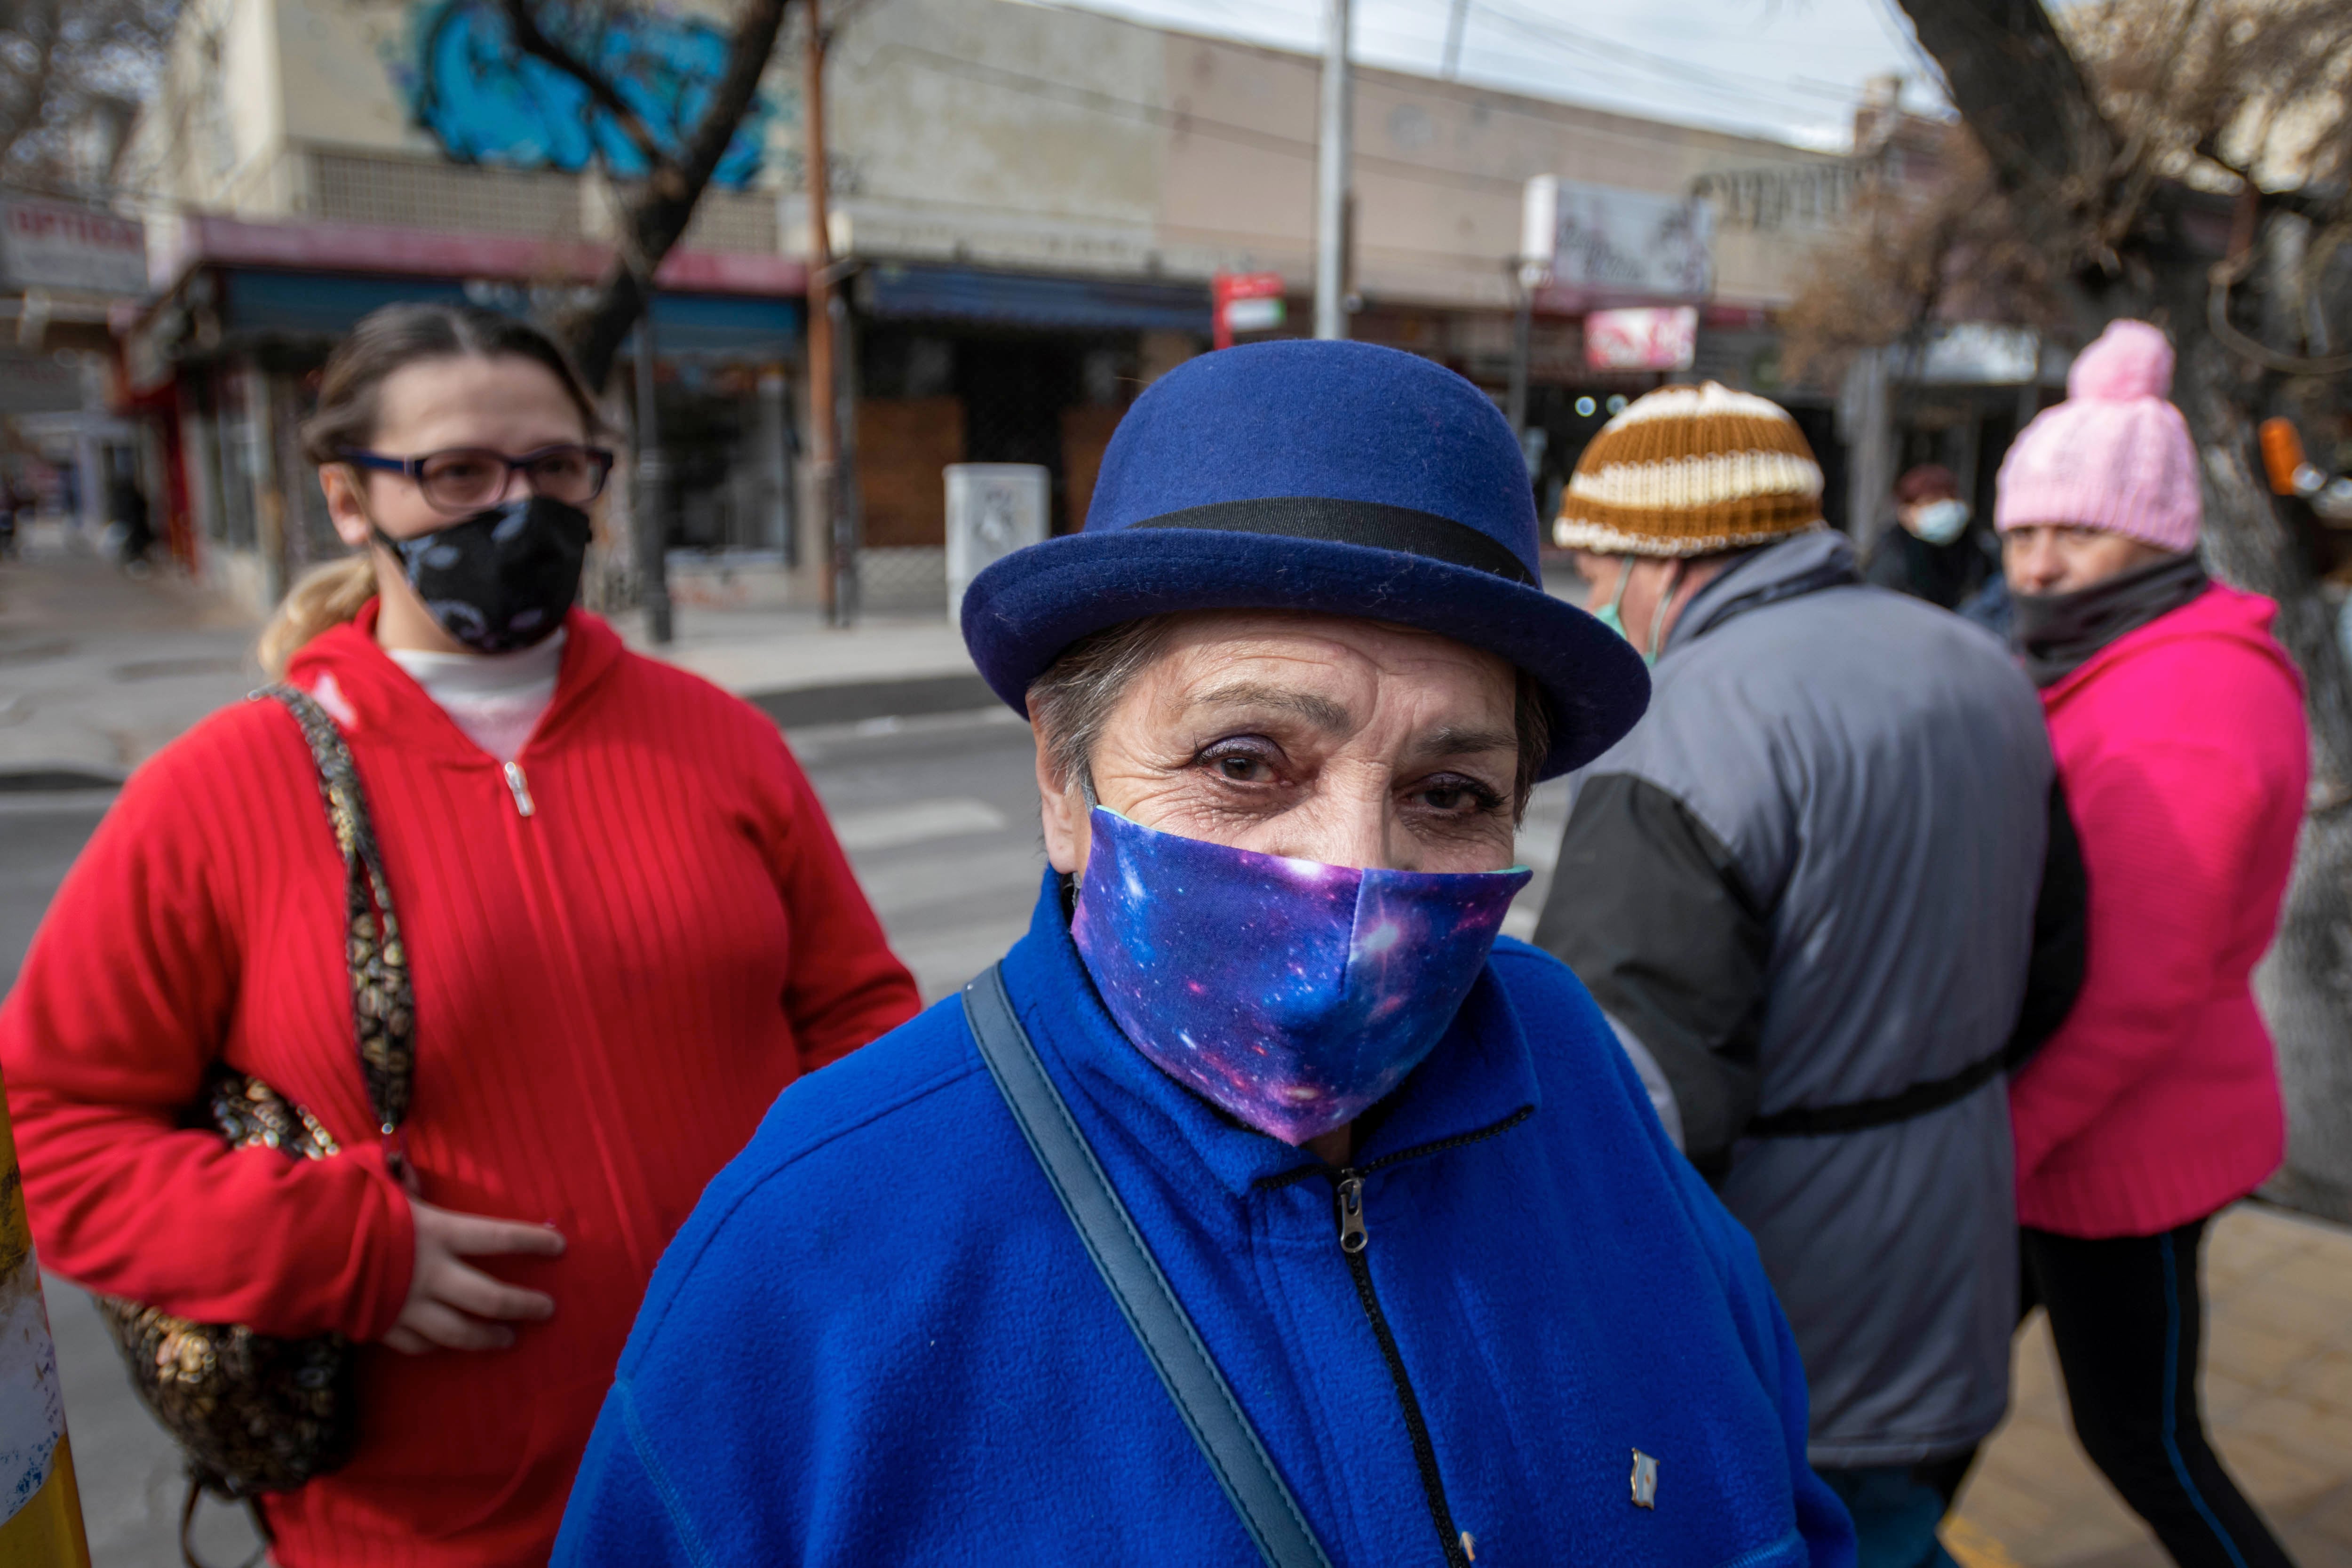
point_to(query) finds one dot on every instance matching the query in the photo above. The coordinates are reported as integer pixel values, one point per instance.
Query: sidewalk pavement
(98, 670)
(2278, 1401)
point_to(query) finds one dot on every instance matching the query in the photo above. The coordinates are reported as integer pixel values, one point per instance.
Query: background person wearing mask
(1803, 890)
(1291, 686)
(626, 919)
(1935, 552)
(2179, 732)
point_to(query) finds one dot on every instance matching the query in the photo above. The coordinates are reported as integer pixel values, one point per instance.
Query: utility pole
(651, 496)
(824, 436)
(1453, 23)
(1522, 345)
(1331, 182)
(1539, 240)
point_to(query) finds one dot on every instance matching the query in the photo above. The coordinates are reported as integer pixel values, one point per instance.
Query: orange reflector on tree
(2283, 456)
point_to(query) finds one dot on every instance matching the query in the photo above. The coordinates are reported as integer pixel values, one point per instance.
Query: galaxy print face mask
(1292, 993)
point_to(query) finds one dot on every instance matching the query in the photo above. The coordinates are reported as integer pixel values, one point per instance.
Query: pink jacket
(2185, 759)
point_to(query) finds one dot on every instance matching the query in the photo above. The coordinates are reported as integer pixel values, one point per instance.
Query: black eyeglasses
(468, 479)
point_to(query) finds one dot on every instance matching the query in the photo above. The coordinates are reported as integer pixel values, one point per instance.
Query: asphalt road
(939, 817)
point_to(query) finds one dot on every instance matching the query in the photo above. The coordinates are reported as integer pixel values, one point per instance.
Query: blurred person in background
(1291, 687)
(628, 919)
(1804, 892)
(2179, 726)
(1934, 551)
(130, 523)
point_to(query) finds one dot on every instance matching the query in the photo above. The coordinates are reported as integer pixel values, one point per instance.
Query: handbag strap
(383, 1002)
(1203, 1397)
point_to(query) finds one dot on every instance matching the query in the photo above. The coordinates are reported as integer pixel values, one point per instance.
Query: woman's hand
(454, 1306)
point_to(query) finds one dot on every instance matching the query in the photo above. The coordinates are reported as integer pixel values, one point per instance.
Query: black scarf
(2056, 634)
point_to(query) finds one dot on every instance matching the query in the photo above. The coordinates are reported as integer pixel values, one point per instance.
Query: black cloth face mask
(503, 578)
(2056, 634)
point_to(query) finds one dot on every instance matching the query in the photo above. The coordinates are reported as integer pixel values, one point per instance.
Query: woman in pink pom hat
(2178, 724)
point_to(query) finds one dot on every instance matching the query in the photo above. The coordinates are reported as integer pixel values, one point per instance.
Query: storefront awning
(326, 305)
(1019, 300)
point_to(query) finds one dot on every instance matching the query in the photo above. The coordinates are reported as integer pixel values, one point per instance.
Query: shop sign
(1245, 302)
(58, 245)
(1981, 353)
(1605, 240)
(1658, 338)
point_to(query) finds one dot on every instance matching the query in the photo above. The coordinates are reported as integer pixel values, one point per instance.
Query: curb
(60, 778)
(855, 701)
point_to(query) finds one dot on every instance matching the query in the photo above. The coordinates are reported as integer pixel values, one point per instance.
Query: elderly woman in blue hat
(1263, 1203)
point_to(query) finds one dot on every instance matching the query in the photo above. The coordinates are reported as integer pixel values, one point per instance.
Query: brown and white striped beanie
(1691, 470)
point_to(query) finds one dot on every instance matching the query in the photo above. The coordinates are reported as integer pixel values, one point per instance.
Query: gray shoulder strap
(1210, 1413)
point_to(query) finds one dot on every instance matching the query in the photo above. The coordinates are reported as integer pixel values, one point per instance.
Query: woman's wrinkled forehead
(1327, 673)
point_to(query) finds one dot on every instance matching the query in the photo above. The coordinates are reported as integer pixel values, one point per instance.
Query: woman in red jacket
(2178, 729)
(628, 919)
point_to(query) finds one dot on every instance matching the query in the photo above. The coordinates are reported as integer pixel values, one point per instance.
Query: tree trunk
(2305, 983)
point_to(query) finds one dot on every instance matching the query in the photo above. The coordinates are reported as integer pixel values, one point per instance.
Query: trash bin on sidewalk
(40, 1508)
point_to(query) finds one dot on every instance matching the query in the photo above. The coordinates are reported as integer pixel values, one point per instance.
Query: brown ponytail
(321, 599)
(386, 341)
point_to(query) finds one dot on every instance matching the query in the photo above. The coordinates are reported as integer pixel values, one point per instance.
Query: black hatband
(1366, 523)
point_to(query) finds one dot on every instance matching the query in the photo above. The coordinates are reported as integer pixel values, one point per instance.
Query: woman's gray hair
(1071, 702)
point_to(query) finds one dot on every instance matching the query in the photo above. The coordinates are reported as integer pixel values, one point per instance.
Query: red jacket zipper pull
(520, 787)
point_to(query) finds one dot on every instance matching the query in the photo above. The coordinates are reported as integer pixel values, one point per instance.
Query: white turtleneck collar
(497, 699)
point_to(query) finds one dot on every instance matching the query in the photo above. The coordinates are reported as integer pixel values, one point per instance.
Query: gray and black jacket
(1804, 889)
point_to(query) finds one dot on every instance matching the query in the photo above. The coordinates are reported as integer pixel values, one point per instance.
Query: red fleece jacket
(610, 989)
(2184, 753)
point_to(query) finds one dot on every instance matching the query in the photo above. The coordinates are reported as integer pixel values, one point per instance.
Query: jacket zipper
(519, 787)
(1348, 1198)
(1348, 1194)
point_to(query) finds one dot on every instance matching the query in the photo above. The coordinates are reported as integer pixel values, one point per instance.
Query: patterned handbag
(254, 1413)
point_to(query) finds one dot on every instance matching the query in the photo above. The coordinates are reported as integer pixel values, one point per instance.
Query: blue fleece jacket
(879, 1339)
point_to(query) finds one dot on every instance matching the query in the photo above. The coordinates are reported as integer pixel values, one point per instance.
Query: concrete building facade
(1034, 200)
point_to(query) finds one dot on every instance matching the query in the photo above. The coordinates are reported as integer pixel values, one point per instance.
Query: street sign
(1654, 338)
(60, 245)
(1608, 242)
(1245, 302)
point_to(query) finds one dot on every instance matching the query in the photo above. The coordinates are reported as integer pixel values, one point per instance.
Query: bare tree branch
(2025, 100)
(63, 65)
(653, 221)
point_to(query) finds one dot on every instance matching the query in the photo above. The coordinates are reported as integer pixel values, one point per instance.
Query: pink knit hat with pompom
(2115, 456)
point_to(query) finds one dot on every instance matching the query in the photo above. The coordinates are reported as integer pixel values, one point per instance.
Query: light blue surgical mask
(1941, 522)
(1610, 615)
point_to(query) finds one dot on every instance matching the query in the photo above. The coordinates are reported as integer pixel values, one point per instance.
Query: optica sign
(58, 245)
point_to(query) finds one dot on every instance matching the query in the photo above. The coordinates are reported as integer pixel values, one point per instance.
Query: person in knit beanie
(2178, 724)
(1803, 891)
(1683, 479)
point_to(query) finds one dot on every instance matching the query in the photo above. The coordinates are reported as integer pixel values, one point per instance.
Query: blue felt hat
(1332, 477)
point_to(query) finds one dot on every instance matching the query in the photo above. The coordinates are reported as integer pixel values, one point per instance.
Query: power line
(1757, 90)
(1683, 71)
(1488, 96)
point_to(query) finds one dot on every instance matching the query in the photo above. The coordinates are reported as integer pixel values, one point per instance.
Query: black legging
(2126, 1316)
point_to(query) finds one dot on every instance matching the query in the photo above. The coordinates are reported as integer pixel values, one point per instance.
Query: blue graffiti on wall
(486, 101)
